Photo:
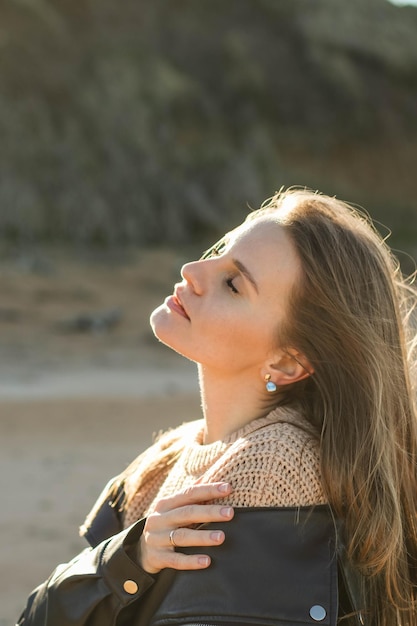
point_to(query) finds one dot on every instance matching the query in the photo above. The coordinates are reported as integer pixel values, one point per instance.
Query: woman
(299, 322)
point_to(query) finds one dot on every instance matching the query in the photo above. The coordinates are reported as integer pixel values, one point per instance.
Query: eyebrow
(246, 273)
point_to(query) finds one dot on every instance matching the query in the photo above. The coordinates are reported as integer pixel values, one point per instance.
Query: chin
(158, 321)
(165, 332)
(162, 328)
(153, 319)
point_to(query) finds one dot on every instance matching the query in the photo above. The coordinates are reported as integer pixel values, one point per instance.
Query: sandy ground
(76, 405)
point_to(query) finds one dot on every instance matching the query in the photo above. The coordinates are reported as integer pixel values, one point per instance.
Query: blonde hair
(351, 316)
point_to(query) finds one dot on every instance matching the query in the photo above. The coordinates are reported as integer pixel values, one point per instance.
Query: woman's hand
(168, 526)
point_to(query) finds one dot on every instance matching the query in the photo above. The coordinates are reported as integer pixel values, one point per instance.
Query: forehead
(260, 232)
(264, 245)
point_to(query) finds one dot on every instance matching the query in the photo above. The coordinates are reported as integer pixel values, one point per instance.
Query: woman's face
(225, 312)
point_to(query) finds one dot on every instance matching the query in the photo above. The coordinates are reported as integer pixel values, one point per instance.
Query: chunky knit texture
(272, 461)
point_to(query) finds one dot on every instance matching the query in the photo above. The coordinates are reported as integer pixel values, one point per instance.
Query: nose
(191, 273)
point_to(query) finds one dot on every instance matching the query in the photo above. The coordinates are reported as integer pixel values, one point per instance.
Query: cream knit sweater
(272, 461)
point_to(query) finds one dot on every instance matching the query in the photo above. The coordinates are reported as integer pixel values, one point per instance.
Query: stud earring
(270, 386)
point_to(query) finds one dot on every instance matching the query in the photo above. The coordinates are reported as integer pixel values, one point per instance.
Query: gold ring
(171, 538)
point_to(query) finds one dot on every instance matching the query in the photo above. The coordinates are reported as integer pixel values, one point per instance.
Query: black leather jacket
(277, 567)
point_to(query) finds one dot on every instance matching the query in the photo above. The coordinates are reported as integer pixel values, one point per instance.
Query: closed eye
(229, 283)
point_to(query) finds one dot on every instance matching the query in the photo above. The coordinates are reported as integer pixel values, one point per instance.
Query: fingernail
(224, 487)
(226, 511)
(216, 535)
(204, 561)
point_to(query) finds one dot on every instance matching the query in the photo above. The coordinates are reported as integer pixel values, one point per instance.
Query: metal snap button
(318, 613)
(130, 587)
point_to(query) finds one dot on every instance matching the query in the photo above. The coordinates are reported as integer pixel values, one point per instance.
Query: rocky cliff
(149, 121)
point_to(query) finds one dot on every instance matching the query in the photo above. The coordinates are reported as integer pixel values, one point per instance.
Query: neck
(229, 403)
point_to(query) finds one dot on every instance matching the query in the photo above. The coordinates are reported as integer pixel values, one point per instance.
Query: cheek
(240, 336)
(221, 323)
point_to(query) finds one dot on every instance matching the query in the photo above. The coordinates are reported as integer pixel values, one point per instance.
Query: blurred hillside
(150, 121)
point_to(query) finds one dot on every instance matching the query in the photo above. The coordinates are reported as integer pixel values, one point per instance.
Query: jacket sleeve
(97, 587)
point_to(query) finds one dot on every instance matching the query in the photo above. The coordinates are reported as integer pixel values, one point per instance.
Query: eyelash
(216, 250)
(229, 283)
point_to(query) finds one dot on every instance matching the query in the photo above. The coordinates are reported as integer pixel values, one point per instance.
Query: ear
(288, 367)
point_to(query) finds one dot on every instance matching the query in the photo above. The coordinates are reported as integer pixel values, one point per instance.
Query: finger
(187, 516)
(181, 561)
(155, 555)
(194, 495)
(186, 537)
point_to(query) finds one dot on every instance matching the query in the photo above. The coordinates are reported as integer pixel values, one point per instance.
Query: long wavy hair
(351, 315)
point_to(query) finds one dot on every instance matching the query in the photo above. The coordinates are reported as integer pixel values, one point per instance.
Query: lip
(175, 305)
